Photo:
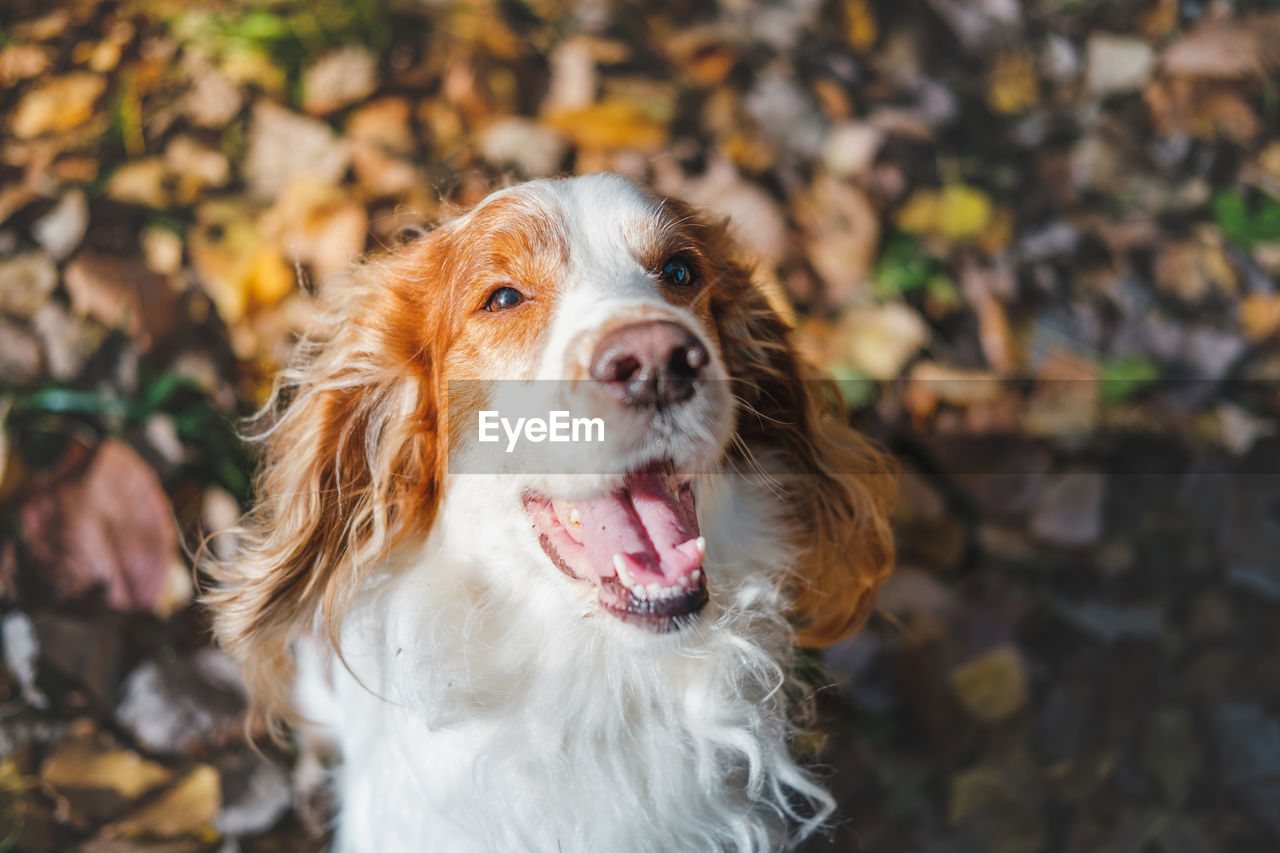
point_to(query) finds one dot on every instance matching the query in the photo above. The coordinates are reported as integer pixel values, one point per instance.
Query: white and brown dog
(591, 653)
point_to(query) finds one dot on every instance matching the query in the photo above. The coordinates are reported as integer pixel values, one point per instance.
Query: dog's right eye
(503, 298)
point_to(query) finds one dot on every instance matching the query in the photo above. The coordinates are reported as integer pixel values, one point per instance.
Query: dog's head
(616, 318)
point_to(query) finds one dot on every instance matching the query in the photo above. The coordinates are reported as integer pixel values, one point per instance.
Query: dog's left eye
(676, 272)
(503, 298)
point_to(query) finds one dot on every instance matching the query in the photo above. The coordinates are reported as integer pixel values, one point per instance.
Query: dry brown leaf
(841, 235)
(1191, 270)
(140, 182)
(122, 293)
(58, 105)
(338, 78)
(26, 281)
(284, 145)
(312, 223)
(1227, 49)
(383, 123)
(104, 525)
(879, 340)
(20, 61)
(931, 381)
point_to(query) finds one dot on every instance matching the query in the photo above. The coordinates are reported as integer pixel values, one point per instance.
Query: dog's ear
(839, 489)
(352, 460)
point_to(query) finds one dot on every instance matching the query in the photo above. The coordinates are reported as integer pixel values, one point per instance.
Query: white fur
(485, 702)
(478, 717)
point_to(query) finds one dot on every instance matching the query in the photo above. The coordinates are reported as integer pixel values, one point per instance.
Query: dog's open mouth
(639, 545)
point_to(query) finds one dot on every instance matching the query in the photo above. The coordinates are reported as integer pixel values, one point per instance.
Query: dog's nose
(650, 364)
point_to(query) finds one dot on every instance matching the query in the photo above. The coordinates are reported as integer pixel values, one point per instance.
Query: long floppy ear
(839, 489)
(351, 462)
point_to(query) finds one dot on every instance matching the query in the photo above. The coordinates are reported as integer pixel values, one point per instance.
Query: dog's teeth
(575, 518)
(694, 575)
(701, 545)
(654, 590)
(620, 566)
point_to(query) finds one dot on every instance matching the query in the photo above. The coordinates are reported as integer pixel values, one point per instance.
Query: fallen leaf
(85, 760)
(1193, 269)
(609, 124)
(1116, 64)
(338, 78)
(1070, 509)
(879, 340)
(190, 807)
(61, 229)
(964, 212)
(104, 526)
(240, 269)
(958, 212)
(57, 105)
(213, 99)
(142, 182)
(22, 61)
(992, 687)
(533, 149)
(194, 167)
(1012, 83)
(122, 293)
(861, 29)
(284, 145)
(755, 219)
(1229, 48)
(851, 147)
(1260, 316)
(26, 281)
(312, 223)
(841, 234)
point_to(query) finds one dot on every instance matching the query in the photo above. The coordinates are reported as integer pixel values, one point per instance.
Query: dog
(575, 647)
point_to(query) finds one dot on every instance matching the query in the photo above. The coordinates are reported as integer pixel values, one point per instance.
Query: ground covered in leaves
(1037, 242)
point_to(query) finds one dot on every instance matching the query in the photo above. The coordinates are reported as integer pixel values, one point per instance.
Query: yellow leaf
(188, 808)
(1012, 85)
(80, 762)
(269, 277)
(993, 686)
(610, 124)
(863, 28)
(920, 213)
(1260, 316)
(59, 105)
(963, 213)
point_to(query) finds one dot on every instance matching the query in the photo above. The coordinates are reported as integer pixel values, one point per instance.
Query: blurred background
(1037, 242)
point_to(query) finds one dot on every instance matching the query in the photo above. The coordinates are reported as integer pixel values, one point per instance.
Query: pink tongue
(643, 522)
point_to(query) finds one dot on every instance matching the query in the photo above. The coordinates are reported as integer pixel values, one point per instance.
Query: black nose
(649, 365)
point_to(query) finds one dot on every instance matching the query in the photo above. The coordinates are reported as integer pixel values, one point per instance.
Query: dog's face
(586, 296)
(590, 298)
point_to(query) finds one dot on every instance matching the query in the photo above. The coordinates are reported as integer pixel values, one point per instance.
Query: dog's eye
(676, 272)
(503, 298)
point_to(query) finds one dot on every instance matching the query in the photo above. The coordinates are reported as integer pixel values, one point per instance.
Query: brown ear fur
(842, 495)
(350, 463)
